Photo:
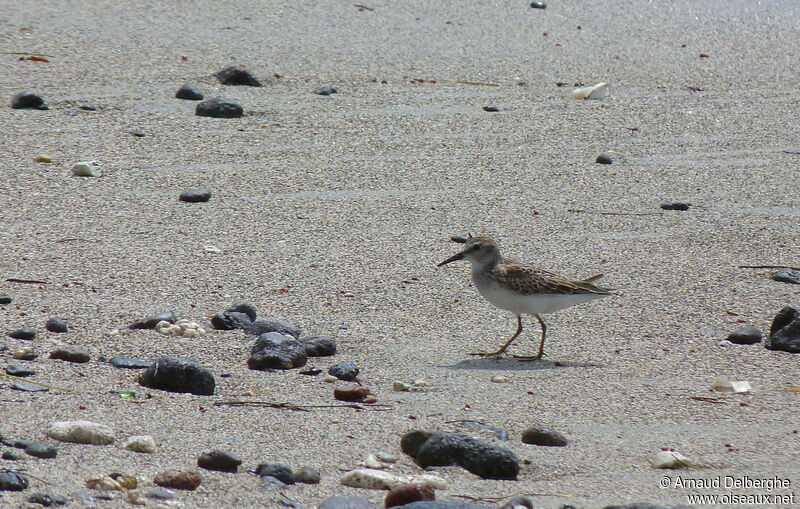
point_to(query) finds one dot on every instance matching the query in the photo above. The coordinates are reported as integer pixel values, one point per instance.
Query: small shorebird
(520, 288)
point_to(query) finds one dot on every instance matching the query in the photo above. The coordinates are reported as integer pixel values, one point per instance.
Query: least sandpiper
(521, 289)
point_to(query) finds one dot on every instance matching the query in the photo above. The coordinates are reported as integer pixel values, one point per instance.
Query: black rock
(604, 159)
(40, 449)
(637, 505)
(219, 460)
(28, 99)
(310, 372)
(236, 75)
(178, 375)
(246, 308)
(279, 471)
(307, 475)
(46, 500)
(676, 206)
(491, 109)
(26, 387)
(784, 333)
(19, 370)
(219, 108)
(10, 456)
(27, 333)
(12, 481)
(326, 90)
(190, 93)
(543, 436)
(88, 107)
(319, 346)
(413, 440)
(159, 494)
(481, 458)
(71, 354)
(539, 5)
(787, 276)
(195, 195)
(56, 325)
(269, 483)
(121, 361)
(276, 351)
(745, 336)
(138, 134)
(5, 298)
(343, 502)
(274, 325)
(151, 321)
(21, 443)
(230, 320)
(441, 504)
(347, 371)
(517, 501)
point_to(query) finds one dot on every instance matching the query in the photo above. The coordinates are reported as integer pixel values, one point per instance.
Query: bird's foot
(488, 354)
(525, 358)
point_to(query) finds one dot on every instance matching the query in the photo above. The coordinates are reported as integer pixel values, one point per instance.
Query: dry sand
(359, 192)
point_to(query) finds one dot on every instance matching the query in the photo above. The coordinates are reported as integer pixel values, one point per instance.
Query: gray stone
(19, 370)
(230, 320)
(326, 90)
(195, 195)
(485, 460)
(279, 471)
(276, 351)
(219, 108)
(178, 375)
(236, 75)
(538, 5)
(71, 354)
(5, 298)
(40, 449)
(246, 308)
(745, 336)
(121, 361)
(219, 460)
(88, 107)
(604, 159)
(28, 100)
(26, 387)
(676, 206)
(56, 324)
(442, 504)
(787, 276)
(189, 92)
(343, 502)
(12, 481)
(784, 333)
(543, 436)
(319, 346)
(26, 333)
(159, 494)
(274, 325)
(151, 321)
(269, 483)
(46, 500)
(288, 502)
(10, 456)
(307, 475)
(346, 370)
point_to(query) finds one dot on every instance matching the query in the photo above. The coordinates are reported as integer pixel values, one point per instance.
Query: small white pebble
(372, 462)
(499, 379)
(212, 249)
(42, 158)
(87, 169)
(190, 333)
(81, 432)
(140, 443)
(398, 386)
(330, 379)
(386, 457)
(670, 459)
(23, 352)
(421, 383)
(725, 342)
(201, 331)
(163, 324)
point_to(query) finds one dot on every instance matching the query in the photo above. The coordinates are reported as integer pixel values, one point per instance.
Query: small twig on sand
(36, 383)
(707, 399)
(582, 211)
(768, 267)
(24, 473)
(479, 83)
(364, 7)
(304, 408)
(27, 281)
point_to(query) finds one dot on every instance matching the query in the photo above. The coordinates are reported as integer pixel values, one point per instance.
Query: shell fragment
(599, 91)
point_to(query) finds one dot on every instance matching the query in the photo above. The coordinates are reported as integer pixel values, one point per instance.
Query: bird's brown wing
(527, 280)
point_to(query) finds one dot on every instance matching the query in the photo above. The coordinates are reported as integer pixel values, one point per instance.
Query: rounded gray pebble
(26, 333)
(195, 196)
(56, 324)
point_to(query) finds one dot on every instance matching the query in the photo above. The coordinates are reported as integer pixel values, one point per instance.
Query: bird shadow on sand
(512, 364)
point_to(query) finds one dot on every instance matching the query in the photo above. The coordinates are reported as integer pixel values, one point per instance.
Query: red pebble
(407, 493)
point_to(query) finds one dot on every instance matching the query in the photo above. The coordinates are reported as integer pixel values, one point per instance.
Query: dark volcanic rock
(676, 206)
(88, 107)
(274, 325)
(230, 320)
(787, 276)
(27, 333)
(56, 325)
(5, 298)
(347, 371)
(45, 500)
(178, 375)
(121, 361)
(19, 370)
(538, 5)
(246, 308)
(151, 321)
(195, 195)
(276, 351)
(219, 460)
(40, 449)
(407, 493)
(236, 75)
(189, 92)
(279, 471)
(604, 159)
(413, 440)
(343, 502)
(219, 108)
(71, 354)
(784, 333)
(326, 90)
(178, 480)
(481, 458)
(543, 436)
(745, 336)
(12, 481)
(28, 100)
(319, 346)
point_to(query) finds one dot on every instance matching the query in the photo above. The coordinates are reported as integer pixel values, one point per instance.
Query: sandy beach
(331, 212)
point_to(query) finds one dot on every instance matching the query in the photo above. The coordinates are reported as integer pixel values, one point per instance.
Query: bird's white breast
(529, 304)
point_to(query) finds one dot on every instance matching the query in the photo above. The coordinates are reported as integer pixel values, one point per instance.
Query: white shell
(599, 91)
(670, 459)
(87, 169)
(373, 462)
(163, 324)
(81, 432)
(499, 379)
(140, 443)
(379, 480)
(103, 482)
(190, 333)
(212, 249)
(721, 385)
(398, 386)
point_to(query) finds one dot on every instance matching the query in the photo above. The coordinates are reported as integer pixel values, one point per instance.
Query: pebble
(517, 502)
(676, 206)
(140, 443)
(19, 370)
(182, 327)
(46, 500)
(279, 471)
(276, 351)
(670, 459)
(725, 343)
(189, 92)
(10, 456)
(42, 158)
(103, 482)
(174, 374)
(25, 354)
(5, 298)
(159, 494)
(70, 354)
(26, 387)
(236, 75)
(87, 169)
(88, 107)
(269, 483)
(219, 108)
(178, 480)
(330, 379)
(407, 493)
(28, 100)
(398, 386)
(219, 460)
(41, 449)
(307, 475)
(784, 333)
(12, 481)
(343, 502)
(56, 324)
(373, 462)
(319, 346)
(195, 195)
(122, 361)
(543, 436)
(311, 372)
(81, 432)
(347, 371)
(326, 90)
(604, 159)
(499, 379)
(539, 5)
(288, 502)
(231, 320)
(491, 109)
(356, 393)
(26, 333)
(745, 336)
(790, 276)
(483, 459)
(370, 479)
(151, 321)
(264, 325)
(246, 308)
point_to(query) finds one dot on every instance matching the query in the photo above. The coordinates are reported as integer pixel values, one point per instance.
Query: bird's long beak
(454, 258)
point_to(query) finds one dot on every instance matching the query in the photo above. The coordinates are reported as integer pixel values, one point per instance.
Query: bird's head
(478, 249)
